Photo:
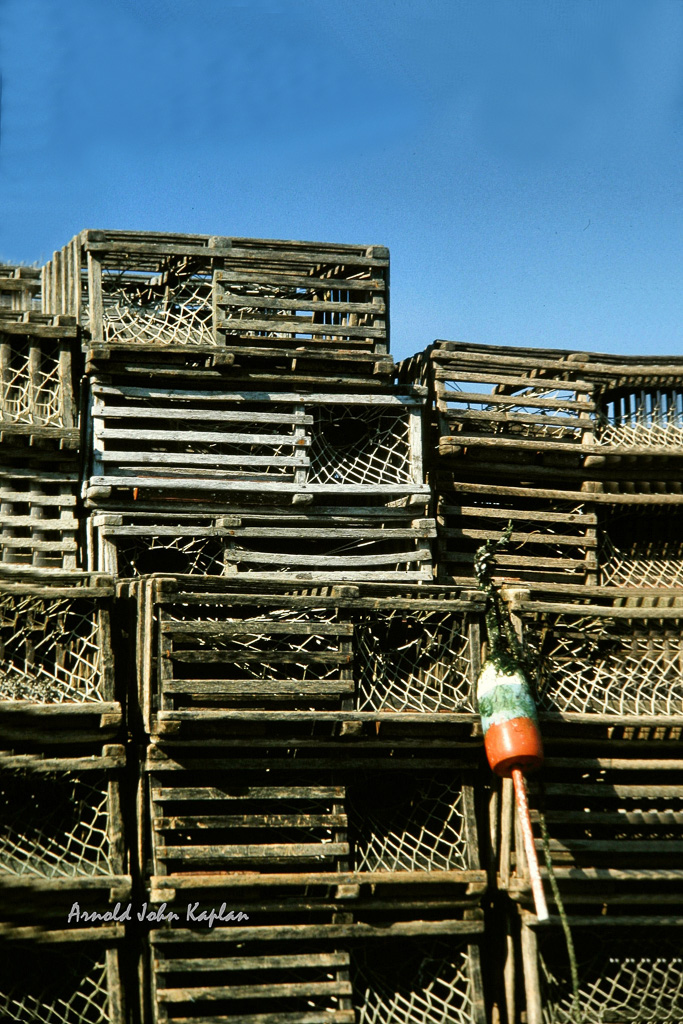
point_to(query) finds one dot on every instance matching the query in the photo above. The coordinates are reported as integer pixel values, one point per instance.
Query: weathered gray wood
(281, 990)
(360, 930)
(173, 964)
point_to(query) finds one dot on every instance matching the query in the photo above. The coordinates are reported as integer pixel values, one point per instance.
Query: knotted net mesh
(413, 661)
(638, 979)
(30, 390)
(50, 649)
(54, 824)
(168, 306)
(408, 823)
(608, 666)
(642, 548)
(360, 445)
(413, 983)
(54, 985)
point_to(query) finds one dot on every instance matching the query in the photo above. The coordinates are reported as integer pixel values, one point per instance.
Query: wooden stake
(529, 847)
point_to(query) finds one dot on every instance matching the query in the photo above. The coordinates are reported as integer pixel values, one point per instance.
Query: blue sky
(521, 158)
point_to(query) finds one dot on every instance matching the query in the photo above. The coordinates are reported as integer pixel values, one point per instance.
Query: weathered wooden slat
(312, 792)
(277, 991)
(533, 538)
(528, 380)
(484, 398)
(207, 821)
(295, 326)
(226, 298)
(259, 687)
(254, 627)
(574, 426)
(215, 415)
(204, 656)
(174, 965)
(579, 518)
(326, 1016)
(266, 851)
(205, 437)
(408, 397)
(311, 284)
(359, 930)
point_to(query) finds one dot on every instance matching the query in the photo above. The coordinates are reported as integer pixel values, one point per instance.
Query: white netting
(636, 979)
(408, 823)
(30, 390)
(413, 661)
(169, 307)
(54, 825)
(355, 445)
(642, 548)
(608, 666)
(413, 983)
(179, 555)
(46, 985)
(647, 418)
(49, 650)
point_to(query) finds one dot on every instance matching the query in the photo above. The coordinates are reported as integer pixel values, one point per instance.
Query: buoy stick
(529, 847)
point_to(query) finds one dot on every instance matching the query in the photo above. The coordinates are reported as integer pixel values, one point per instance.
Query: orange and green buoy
(512, 738)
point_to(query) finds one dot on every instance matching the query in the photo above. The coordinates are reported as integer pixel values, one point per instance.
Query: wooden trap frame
(62, 835)
(274, 303)
(323, 973)
(615, 829)
(290, 832)
(554, 538)
(617, 662)
(56, 661)
(39, 526)
(19, 288)
(500, 397)
(212, 654)
(38, 387)
(374, 543)
(182, 445)
(630, 969)
(73, 975)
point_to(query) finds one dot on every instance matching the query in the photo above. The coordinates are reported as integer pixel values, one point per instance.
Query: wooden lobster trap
(184, 445)
(641, 541)
(320, 973)
(307, 302)
(71, 975)
(210, 654)
(56, 661)
(282, 302)
(534, 400)
(19, 288)
(39, 526)
(62, 835)
(630, 968)
(315, 831)
(554, 538)
(38, 388)
(375, 543)
(639, 403)
(615, 830)
(617, 663)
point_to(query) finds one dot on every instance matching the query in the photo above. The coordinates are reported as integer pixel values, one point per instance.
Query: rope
(571, 952)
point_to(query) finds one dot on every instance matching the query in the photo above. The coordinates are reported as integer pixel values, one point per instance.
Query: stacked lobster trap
(300, 695)
(580, 453)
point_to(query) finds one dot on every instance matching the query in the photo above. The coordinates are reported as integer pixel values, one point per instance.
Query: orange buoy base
(513, 744)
